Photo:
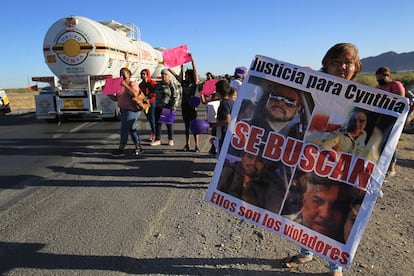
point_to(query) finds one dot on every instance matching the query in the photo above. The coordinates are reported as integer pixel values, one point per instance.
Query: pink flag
(176, 56)
(209, 87)
(112, 86)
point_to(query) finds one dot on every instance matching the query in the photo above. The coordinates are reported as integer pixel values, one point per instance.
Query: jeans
(189, 114)
(170, 127)
(305, 253)
(129, 126)
(151, 118)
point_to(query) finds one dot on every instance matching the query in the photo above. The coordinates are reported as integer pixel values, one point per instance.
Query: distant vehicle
(4, 103)
(82, 53)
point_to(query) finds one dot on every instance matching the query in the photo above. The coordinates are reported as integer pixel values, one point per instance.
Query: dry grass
(21, 98)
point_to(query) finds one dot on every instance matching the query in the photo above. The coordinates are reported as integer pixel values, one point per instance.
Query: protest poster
(305, 155)
(209, 87)
(176, 56)
(112, 86)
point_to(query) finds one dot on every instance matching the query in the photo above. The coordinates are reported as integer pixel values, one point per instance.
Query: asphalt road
(68, 205)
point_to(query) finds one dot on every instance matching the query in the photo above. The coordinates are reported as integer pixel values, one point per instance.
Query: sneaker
(138, 151)
(117, 152)
(171, 142)
(151, 138)
(155, 143)
(186, 148)
(196, 149)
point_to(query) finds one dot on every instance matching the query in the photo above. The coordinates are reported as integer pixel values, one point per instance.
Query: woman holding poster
(129, 112)
(188, 110)
(341, 60)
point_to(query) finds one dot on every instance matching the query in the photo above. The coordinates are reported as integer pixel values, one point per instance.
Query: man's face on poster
(253, 165)
(283, 104)
(323, 209)
(357, 123)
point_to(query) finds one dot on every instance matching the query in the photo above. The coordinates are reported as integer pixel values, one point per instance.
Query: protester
(167, 96)
(385, 82)
(209, 76)
(189, 112)
(205, 98)
(212, 108)
(224, 110)
(341, 60)
(147, 86)
(233, 94)
(239, 75)
(129, 112)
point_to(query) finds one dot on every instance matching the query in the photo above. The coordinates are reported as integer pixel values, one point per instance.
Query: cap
(164, 71)
(240, 71)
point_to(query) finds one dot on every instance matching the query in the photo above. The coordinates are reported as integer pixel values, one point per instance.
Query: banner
(209, 87)
(112, 86)
(305, 155)
(176, 56)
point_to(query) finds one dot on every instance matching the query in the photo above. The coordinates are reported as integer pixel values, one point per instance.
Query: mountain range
(396, 62)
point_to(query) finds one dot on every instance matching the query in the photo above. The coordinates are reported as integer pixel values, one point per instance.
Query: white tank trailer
(82, 53)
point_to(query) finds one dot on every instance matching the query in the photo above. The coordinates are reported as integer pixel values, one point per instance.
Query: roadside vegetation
(21, 98)
(407, 78)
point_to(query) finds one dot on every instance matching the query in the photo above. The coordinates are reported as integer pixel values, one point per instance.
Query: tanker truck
(82, 54)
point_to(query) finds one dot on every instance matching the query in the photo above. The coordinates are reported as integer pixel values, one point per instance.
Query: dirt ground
(239, 248)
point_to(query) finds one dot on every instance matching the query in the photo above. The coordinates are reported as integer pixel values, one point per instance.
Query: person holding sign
(147, 86)
(189, 112)
(129, 112)
(167, 95)
(341, 60)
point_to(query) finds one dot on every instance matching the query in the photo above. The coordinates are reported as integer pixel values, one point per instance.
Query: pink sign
(209, 87)
(112, 86)
(176, 56)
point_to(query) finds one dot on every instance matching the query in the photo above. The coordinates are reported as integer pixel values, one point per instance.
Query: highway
(67, 204)
(68, 207)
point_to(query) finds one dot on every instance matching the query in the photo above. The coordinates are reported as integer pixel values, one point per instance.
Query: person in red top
(129, 112)
(385, 82)
(147, 86)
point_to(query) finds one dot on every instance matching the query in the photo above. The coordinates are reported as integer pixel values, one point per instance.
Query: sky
(221, 35)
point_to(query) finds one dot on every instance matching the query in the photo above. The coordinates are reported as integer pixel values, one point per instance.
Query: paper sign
(112, 86)
(176, 56)
(209, 87)
(307, 161)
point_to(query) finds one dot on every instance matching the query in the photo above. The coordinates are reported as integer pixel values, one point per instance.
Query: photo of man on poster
(279, 109)
(253, 180)
(324, 204)
(282, 109)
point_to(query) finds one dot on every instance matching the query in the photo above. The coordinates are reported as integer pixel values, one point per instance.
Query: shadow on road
(28, 255)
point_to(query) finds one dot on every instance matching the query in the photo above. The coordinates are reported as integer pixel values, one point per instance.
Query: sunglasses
(290, 102)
